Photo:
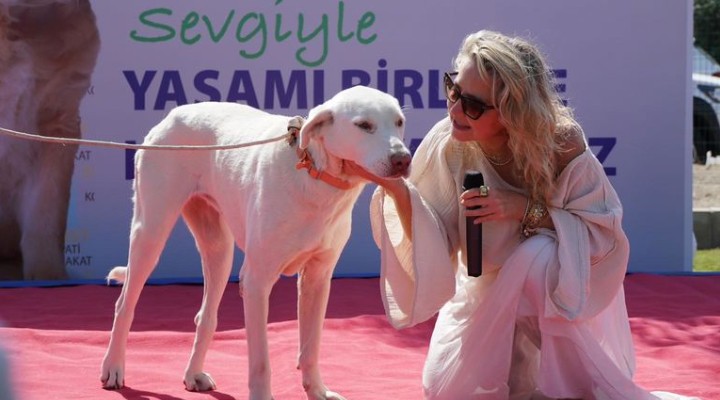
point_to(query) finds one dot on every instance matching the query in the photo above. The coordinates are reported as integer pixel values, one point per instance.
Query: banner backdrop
(620, 64)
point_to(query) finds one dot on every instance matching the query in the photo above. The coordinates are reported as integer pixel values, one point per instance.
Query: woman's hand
(497, 205)
(392, 185)
(396, 188)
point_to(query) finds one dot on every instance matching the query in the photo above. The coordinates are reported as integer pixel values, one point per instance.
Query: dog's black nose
(400, 162)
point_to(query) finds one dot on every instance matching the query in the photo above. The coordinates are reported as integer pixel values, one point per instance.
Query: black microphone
(473, 232)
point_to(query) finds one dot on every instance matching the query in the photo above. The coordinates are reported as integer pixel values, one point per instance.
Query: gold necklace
(494, 160)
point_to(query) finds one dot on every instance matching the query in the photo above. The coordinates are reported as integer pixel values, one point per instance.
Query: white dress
(546, 318)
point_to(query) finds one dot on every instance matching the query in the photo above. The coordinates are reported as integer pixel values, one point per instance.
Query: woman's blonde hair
(530, 109)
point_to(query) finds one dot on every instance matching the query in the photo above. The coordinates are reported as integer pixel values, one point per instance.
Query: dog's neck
(322, 165)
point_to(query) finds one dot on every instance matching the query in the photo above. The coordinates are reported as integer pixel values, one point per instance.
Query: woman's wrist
(395, 187)
(399, 192)
(535, 214)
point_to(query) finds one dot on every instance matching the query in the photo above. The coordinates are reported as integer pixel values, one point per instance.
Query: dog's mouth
(399, 175)
(353, 168)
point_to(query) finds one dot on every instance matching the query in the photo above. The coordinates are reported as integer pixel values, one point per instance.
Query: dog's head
(362, 125)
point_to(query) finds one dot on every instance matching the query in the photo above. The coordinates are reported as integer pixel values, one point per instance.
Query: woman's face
(487, 128)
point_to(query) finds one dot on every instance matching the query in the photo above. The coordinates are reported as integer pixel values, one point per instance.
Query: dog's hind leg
(313, 293)
(157, 206)
(215, 243)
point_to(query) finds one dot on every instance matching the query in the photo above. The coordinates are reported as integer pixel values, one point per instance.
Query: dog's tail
(117, 274)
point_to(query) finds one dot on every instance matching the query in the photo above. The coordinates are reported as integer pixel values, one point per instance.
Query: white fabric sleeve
(593, 250)
(418, 274)
(414, 284)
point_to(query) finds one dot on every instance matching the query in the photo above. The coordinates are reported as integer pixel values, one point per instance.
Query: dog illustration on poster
(48, 50)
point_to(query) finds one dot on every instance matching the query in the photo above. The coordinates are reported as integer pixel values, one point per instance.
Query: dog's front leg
(255, 289)
(313, 294)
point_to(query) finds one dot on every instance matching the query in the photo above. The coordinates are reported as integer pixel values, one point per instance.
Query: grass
(707, 261)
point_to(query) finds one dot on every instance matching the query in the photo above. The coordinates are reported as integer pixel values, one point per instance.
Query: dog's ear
(317, 118)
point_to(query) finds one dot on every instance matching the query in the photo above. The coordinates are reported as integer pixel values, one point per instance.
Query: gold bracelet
(533, 217)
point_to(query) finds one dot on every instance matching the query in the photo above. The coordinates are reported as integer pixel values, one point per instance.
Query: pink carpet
(57, 338)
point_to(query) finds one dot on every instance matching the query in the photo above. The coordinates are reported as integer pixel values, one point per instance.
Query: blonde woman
(547, 317)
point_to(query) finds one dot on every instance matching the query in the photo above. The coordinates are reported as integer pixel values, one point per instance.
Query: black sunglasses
(473, 108)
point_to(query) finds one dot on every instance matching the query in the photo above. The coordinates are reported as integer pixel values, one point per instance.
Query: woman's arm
(396, 188)
(398, 191)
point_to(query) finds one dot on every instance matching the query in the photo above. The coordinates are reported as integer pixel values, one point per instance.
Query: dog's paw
(112, 379)
(112, 371)
(323, 394)
(330, 395)
(200, 382)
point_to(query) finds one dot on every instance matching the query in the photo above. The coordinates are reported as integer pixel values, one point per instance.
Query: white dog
(285, 220)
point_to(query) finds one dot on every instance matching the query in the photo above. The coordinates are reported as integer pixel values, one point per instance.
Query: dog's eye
(399, 123)
(366, 126)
